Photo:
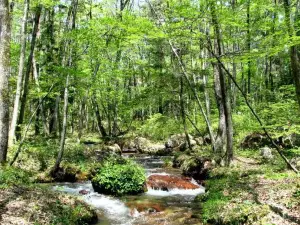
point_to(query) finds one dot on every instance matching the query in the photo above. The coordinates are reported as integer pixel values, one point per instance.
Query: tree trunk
(249, 48)
(20, 75)
(73, 10)
(101, 128)
(42, 112)
(64, 128)
(225, 132)
(28, 69)
(182, 110)
(81, 118)
(4, 75)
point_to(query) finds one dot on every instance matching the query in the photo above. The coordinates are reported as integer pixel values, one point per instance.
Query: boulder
(197, 167)
(178, 142)
(154, 148)
(108, 151)
(84, 192)
(291, 140)
(255, 140)
(65, 174)
(128, 145)
(168, 182)
(266, 153)
(141, 143)
(113, 148)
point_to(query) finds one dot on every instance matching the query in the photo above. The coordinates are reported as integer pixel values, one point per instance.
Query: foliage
(160, 127)
(10, 176)
(119, 177)
(79, 214)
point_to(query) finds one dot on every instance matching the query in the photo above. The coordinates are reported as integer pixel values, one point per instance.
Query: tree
(20, 75)
(4, 75)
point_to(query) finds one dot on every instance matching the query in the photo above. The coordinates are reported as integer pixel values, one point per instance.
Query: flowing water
(171, 207)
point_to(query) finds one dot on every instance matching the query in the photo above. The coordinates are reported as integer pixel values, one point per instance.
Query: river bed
(173, 207)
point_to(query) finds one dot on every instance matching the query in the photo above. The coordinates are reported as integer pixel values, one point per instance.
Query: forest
(139, 112)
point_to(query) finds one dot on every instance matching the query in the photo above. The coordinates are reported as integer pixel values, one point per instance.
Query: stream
(173, 207)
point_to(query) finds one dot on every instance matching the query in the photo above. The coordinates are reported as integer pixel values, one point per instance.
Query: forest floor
(37, 205)
(251, 192)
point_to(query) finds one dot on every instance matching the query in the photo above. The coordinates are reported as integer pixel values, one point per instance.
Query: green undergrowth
(12, 176)
(232, 197)
(38, 155)
(119, 177)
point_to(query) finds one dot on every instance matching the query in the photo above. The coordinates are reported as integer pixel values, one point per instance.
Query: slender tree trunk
(249, 48)
(101, 128)
(64, 128)
(42, 112)
(182, 110)
(20, 75)
(72, 11)
(4, 75)
(28, 69)
(81, 118)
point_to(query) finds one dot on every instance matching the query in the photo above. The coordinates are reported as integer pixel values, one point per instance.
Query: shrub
(119, 177)
(13, 176)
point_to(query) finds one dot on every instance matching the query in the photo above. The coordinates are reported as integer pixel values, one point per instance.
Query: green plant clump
(119, 177)
(13, 176)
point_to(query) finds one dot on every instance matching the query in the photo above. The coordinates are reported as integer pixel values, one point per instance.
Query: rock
(108, 151)
(291, 141)
(197, 167)
(193, 142)
(84, 192)
(145, 207)
(141, 143)
(168, 182)
(83, 176)
(255, 140)
(156, 148)
(128, 144)
(266, 153)
(206, 139)
(199, 141)
(178, 142)
(296, 162)
(65, 174)
(113, 148)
